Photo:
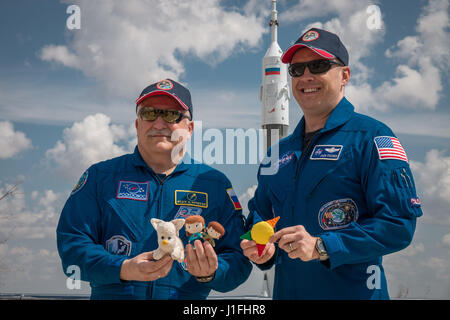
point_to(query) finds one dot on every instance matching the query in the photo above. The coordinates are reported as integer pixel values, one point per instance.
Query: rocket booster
(274, 90)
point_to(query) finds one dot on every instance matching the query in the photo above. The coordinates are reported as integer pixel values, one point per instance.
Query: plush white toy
(168, 240)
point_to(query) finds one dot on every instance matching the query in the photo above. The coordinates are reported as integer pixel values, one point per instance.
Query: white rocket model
(274, 95)
(274, 90)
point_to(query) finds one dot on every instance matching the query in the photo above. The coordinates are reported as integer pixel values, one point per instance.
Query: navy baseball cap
(323, 42)
(168, 87)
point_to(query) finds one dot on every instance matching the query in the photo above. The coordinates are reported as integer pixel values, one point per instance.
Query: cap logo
(164, 85)
(310, 35)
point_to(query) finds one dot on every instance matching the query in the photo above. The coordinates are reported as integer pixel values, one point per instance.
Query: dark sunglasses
(315, 67)
(169, 116)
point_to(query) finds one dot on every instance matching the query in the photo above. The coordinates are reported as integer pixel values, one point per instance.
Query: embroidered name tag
(326, 152)
(132, 190)
(191, 198)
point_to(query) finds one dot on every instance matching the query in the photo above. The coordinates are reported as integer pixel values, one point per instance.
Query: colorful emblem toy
(261, 233)
(168, 240)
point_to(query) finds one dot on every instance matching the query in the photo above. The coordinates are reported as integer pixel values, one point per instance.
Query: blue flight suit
(349, 189)
(106, 220)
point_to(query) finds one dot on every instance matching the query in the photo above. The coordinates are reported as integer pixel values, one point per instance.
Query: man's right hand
(144, 268)
(251, 251)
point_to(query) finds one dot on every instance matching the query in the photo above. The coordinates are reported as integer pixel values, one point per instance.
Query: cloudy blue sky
(67, 101)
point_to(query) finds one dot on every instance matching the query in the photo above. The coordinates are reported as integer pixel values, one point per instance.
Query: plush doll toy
(168, 239)
(214, 231)
(261, 233)
(195, 226)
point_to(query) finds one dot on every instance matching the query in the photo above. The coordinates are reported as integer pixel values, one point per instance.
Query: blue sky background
(67, 101)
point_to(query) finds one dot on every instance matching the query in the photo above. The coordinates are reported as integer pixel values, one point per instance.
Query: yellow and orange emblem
(261, 233)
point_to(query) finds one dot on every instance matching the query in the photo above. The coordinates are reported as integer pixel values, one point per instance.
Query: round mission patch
(81, 182)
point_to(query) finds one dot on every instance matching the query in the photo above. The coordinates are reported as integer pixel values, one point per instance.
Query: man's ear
(345, 75)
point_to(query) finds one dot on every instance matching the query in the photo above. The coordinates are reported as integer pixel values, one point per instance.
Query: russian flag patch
(234, 199)
(270, 71)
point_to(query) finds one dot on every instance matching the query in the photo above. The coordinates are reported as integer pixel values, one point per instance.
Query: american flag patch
(390, 148)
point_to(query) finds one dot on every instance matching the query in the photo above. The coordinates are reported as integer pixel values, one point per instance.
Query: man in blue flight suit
(105, 228)
(343, 190)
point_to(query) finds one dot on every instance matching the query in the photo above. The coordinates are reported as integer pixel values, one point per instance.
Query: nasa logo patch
(326, 152)
(337, 214)
(81, 182)
(186, 211)
(285, 159)
(132, 190)
(164, 85)
(118, 245)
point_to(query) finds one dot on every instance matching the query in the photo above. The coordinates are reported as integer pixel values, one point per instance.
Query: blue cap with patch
(323, 42)
(171, 88)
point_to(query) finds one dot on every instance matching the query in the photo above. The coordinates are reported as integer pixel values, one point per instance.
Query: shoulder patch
(234, 199)
(390, 148)
(81, 182)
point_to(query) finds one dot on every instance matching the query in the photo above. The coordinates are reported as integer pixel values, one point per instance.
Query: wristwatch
(207, 278)
(320, 247)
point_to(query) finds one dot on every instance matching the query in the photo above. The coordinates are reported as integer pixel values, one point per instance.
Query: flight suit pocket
(131, 219)
(325, 169)
(405, 190)
(277, 198)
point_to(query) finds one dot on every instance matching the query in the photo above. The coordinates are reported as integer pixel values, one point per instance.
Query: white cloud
(245, 198)
(18, 221)
(425, 56)
(127, 47)
(89, 141)
(12, 142)
(418, 84)
(432, 179)
(446, 240)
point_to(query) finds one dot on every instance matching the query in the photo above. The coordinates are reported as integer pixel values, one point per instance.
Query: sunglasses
(169, 116)
(315, 67)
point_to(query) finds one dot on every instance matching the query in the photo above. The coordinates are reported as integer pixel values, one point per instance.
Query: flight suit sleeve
(393, 207)
(260, 209)
(79, 235)
(233, 267)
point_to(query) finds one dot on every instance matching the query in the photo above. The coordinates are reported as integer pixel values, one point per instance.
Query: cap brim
(161, 93)
(287, 56)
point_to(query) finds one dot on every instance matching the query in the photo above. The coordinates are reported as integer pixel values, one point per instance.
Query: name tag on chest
(326, 152)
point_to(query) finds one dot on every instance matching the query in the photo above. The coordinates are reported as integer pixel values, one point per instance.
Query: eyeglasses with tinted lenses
(169, 116)
(315, 67)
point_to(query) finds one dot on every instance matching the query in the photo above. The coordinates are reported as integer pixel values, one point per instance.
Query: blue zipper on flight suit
(299, 164)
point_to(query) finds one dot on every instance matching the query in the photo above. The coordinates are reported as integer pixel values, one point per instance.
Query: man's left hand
(202, 261)
(297, 242)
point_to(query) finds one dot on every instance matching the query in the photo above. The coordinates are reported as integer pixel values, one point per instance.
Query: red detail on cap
(260, 248)
(161, 93)
(287, 56)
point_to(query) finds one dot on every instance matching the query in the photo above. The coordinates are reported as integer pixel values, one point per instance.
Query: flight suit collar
(340, 115)
(138, 161)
